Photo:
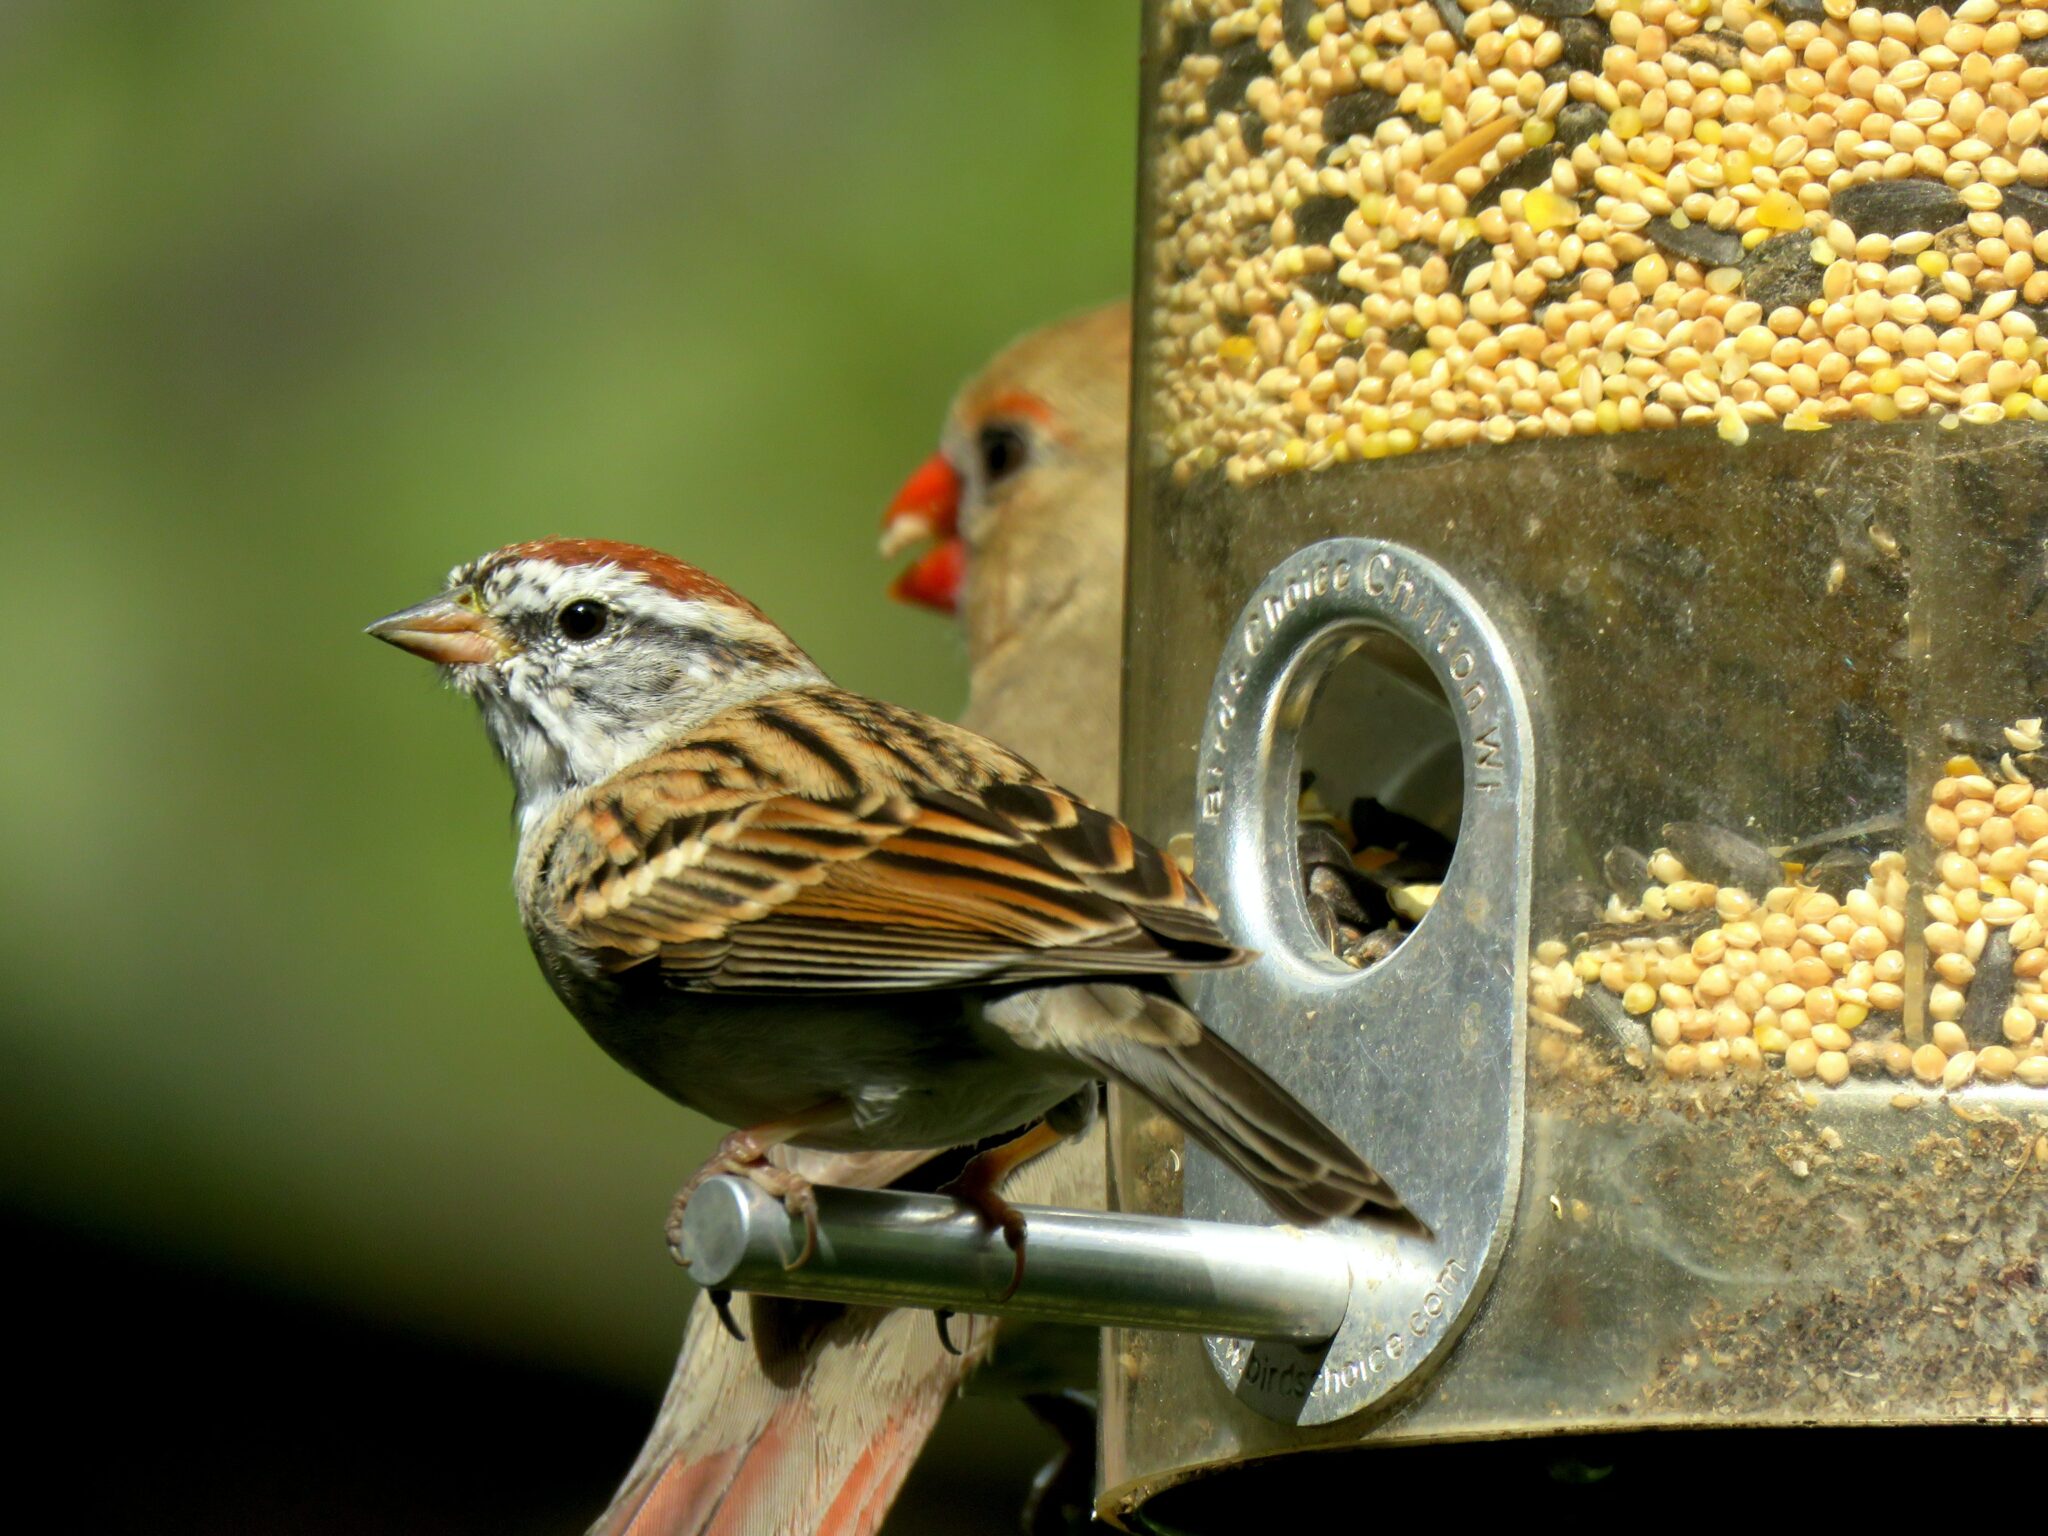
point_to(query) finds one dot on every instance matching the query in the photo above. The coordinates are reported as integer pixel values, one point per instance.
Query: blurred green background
(302, 303)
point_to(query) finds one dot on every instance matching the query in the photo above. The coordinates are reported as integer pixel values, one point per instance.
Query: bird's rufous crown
(677, 577)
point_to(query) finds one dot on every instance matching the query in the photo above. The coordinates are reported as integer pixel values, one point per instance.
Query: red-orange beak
(933, 581)
(927, 509)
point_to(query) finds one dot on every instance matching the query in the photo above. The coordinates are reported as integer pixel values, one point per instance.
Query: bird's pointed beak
(933, 580)
(449, 629)
(927, 509)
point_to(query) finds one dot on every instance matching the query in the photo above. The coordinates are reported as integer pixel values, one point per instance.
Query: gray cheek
(620, 689)
(585, 698)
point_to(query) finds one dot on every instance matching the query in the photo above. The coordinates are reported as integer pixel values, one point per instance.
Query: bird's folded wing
(819, 841)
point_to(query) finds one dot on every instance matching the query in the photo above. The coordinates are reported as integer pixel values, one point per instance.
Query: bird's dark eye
(583, 619)
(1003, 451)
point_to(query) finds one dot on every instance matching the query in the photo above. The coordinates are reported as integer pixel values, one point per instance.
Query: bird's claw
(802, 1202)
(721, 1303)
(998, 1213)
(673, 1228)
(1013, 1234)
(943, 1317)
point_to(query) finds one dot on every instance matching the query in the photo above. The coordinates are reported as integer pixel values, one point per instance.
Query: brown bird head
(585, 654)
(1025, 504)
(1024, 499)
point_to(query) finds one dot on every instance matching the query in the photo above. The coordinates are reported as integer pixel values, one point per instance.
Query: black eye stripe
(584, 619)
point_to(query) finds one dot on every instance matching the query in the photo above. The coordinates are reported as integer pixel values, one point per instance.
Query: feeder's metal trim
(1101, 1269)
(1417, 1060)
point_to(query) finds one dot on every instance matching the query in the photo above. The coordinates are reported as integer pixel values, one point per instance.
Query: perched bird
(813, 1425)
(1023, 510)
(827, 920)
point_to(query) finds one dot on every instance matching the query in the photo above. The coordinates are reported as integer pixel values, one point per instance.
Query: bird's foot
(976, 1186)
(745, 1153)
(944, 1319)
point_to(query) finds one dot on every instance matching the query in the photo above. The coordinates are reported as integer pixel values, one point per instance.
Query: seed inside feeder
(1808, 967)
(1591, 218)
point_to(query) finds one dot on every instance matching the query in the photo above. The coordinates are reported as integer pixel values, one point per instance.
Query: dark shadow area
(167, 1399)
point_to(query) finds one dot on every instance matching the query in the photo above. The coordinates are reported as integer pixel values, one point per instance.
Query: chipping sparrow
(824, 919)
(814, 1427)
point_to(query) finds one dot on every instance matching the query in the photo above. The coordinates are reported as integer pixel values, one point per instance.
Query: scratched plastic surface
(1782, 638)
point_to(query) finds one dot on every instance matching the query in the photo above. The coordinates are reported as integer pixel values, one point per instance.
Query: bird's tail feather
(1302, 1168)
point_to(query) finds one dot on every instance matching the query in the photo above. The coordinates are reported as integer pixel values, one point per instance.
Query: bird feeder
(1608, 435)
(1603, 440)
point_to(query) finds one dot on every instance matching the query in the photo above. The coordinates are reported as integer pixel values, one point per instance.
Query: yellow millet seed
(1780, 210)
(1545, 210)
(1572, 312)
(1928, 1062)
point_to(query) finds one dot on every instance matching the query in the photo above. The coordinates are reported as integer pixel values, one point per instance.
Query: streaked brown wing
(818, 841)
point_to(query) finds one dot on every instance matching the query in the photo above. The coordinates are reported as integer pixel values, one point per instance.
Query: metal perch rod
(1101, 1269)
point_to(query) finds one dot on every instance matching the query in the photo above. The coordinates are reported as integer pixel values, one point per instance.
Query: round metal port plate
(1417, 1060)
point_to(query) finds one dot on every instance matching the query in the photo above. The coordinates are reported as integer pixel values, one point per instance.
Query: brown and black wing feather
(1226, 1101)
(818, 841)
